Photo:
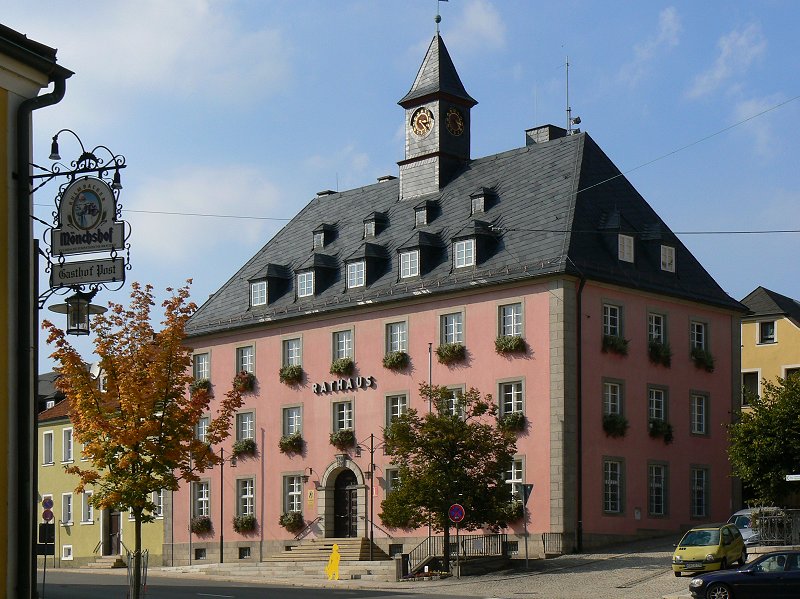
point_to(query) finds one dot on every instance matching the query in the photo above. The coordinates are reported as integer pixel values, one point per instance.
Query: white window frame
(201, 498)
(657, 477)
(464, 253)
(305, 284)
(612, 398)
(392, 479)
(245, 497)
(369, 228)
(512, 397)
(245, 425)
(48, 449)
(356, 274)
(515, 476)
(258, 293)
(699, 491)
(409, 264)
(761, 339)
(293, 493)
(510, 320)
(420, 216)
(667, 258)
(698, 405)
(343, 415)
(292, 352)
(612, 320)
(201, 428)
(613, 485)
(87, 509)
(698, 334)
(397, 336)
(246, 358)
(452, 327)
(66, 508)
(454, 401)
(201, 366)
(318, 240)
(292, 420)
(656, 327)
(656, 404)
(757, 374)
(158, 500)
(477, 204)
(343, 344)
(67, 445)
(625, 248)
(66, 553)
(396, 406)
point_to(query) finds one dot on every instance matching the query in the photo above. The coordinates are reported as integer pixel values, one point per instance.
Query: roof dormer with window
(418, 255)
(268, 285)
(323, 235)
(472, 245)
(315, 275)
(365, 265)
(374, 224)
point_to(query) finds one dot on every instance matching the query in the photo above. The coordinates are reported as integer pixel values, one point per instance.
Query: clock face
(455, 122)
(422, 122)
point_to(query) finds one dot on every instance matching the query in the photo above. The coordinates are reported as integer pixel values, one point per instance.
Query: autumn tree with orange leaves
(139, 431)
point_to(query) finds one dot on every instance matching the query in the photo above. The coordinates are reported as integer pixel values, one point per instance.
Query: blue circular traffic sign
(456, 512)
(47, 503)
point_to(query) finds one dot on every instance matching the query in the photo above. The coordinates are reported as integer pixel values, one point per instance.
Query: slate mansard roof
(551, 208)
(765, 302)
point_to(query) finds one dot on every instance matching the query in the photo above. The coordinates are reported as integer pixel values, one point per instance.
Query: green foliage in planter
(291, 443)
(244, 381)
(292, 521)
(615, 425)
(342, 366)
(615, 345)
(199, 384)
(510, 344)
(244, 447)
(661, 428)
(201, 525)
(343, 439)
(244, 523)
(512, 422)
(659, 353)
(395, 360)
(447, 353)
(514, 511)
(703, 359)
(291, 375)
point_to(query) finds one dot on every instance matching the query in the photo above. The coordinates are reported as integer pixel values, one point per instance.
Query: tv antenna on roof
(570, 119)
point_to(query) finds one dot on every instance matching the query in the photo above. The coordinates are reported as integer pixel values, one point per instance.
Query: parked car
(709, 547)
(744, 520)
(775, 575)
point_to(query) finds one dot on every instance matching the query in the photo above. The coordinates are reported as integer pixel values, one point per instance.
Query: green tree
(139, 430)
(453, 454)
(765, 441)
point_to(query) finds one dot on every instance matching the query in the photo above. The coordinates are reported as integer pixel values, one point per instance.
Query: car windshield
(699, 538)
(740, 521)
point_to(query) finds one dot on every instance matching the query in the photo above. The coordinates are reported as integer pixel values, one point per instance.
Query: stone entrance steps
(106, 562)
(350, 549)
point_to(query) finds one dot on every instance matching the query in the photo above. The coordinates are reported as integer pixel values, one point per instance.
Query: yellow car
(709, 547)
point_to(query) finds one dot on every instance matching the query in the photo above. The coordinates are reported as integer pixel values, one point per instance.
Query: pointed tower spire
(437, 124)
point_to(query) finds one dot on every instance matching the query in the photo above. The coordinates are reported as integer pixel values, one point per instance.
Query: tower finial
(438, 18)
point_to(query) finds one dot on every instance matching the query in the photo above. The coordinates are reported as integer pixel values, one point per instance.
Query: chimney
(539, 135)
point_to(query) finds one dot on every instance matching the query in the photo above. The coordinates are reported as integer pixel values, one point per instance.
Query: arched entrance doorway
(345, 505)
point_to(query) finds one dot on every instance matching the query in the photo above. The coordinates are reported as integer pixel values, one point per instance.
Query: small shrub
(447, 353)
(204, 384)
(291, 375)
(292, 521)
(615, 425)
(342, 366)
(343, 439)
(244, 381)
(514, 511)
(396, 360)
(201, 525)
(659, 353)
(510, 344)
(512, 422)
(615, 345)
(244, 523)
(703, 359)
(244, 447)
(291, 443)
(661, 428)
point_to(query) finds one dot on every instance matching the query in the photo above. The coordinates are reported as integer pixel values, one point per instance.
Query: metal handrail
(378, 526)
(96, 547)
(303, 531)
(467, 546)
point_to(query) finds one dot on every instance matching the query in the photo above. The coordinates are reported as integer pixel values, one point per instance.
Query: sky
(232, 114)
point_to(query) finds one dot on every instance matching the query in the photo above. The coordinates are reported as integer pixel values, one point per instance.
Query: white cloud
(477, 29)
(737, 51)
(667, 36)
(759, 131)
(347, 165)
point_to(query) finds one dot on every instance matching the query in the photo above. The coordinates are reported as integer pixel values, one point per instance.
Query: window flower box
(291, 375)
(342, 366)
(200, 384)
(448, 353)
(244, 524)
(510, 344)
(244, 381)
(245, 447)
(512, 422)
(659, 353)
(661, 428)
(514, 511)
(615, 345)
(343, 439)
(703, 359)
(396, 360)
(292, 521)
(615, 425)
(201, 525)
(291, 443)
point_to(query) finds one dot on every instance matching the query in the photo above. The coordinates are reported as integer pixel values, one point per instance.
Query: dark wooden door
(112, 541)
(345, 505)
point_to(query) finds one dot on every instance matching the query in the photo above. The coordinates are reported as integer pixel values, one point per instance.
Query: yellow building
(770, 339)
(26, 68)
(83, 534)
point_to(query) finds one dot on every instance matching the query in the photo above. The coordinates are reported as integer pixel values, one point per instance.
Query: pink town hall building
(628, 372)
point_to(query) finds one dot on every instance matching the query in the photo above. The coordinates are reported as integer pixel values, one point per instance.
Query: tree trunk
(137, 553)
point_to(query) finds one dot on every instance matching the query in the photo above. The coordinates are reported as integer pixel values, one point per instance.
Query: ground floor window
(612, 486)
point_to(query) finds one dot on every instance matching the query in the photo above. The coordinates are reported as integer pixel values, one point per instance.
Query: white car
(743, 519)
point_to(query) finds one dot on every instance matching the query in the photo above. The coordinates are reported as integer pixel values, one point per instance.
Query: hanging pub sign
(106, 270)
(86, 219)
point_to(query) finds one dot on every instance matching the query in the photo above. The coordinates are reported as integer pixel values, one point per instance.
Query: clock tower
(437, 117)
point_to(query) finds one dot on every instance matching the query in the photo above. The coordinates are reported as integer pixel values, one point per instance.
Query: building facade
(26, 67)
(83, 533)
(770, 339)
(538, 275)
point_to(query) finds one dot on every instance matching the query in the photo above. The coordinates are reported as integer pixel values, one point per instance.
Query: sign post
(456, 513)
(527, 489)
(47, 516)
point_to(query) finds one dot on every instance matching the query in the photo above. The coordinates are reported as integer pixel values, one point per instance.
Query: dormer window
(477, 204)
(258, 293)
(421, 216)
(625, 248)
(668, 258)
(409, 264)
(319, 239)
(356, 274)
(305, 284)
(369, 228)
(464, 253)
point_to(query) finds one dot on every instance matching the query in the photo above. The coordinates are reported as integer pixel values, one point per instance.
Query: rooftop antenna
(570, 119)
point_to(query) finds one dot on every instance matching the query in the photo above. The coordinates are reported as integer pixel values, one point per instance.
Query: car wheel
(718, 591)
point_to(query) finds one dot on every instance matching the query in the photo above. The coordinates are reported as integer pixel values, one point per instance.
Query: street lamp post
(371, 477)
